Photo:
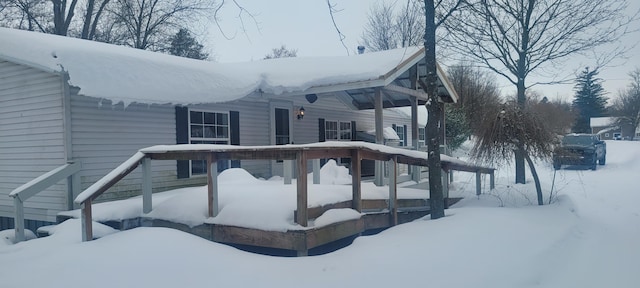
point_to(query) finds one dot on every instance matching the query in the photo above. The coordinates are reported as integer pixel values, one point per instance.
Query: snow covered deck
(321, 213)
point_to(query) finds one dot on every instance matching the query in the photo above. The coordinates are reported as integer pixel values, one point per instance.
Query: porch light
(300, 113)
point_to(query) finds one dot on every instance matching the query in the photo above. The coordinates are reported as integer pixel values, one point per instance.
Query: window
(282, 126)
(421, 136)
(400, 131)
(338, 131)
(335, 130)
(208, 128)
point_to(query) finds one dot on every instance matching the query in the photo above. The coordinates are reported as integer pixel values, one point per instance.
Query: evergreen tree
(185, 45)
(457, 129)
(589, 100)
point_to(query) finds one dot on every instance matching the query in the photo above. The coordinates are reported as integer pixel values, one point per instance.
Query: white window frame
(339, 132)
(401, 135)
(422, 132)
(205, 139)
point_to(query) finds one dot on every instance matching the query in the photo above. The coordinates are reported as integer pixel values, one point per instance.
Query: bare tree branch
(333, 10)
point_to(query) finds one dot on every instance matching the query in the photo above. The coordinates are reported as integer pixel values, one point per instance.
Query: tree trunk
(86, 26)
(535, 177)
(436, 198)
(519, 153)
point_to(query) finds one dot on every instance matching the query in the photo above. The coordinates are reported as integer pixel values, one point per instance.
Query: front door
(281, 130)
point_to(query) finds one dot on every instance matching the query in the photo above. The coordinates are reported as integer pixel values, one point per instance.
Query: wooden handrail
(36, 186)
(110, 179)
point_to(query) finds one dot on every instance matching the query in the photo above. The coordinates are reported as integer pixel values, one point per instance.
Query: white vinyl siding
(105, 135)
(31, 137)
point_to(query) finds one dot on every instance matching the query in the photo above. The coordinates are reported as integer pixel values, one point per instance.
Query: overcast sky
(306, 26)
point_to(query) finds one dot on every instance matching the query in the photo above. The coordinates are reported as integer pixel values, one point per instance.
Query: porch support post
(478, 184)
(212, 185)
(146, 185)
(492, 180)
(316, 171)
(85, 220)
(301, 215)
(73, 182)
(393, 191)
(356, 180)
(19, 219)
(379, 165)
(445, 188)
(287, 171)
(415, 170)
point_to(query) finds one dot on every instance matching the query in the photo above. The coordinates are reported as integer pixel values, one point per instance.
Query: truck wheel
(603, 160)
(594, 163)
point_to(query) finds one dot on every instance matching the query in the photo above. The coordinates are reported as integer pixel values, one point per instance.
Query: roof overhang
(397, 87)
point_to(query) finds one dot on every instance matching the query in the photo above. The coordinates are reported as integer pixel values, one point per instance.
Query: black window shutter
(321, 134)
(353, 131)
(405, 135)
(234, 130)
(182, 137)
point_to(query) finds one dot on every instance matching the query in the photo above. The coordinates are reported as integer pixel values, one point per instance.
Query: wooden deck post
(492, 180)
(287, 171)
(147, 203)
(316, 171)
(393, 191)
(85, 221)
(415, 170)
(445, 188)
(212, 185)
(76, 188)
(356, 180)
(302, 215)
(478, 184)
(19, 219)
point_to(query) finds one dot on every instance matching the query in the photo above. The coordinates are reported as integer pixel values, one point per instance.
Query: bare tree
(556, 115)
(92, 17)
(509, 127)
(51, 16)
(516, 38)
(25, 14)
(380, 30)
(281, 52)
(387, 28)
(627, 106)
(478, 92)
(147, 24)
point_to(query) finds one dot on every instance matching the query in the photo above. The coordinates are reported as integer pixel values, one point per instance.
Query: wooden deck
(374, 217)
(376, 214)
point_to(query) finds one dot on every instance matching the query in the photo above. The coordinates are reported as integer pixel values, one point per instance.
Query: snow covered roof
(602, 121)
(149, 77)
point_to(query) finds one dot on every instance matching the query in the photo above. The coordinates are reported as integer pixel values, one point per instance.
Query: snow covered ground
(588, 237)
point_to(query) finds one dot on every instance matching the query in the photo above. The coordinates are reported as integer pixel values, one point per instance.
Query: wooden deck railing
(38, 185)
(357, 151)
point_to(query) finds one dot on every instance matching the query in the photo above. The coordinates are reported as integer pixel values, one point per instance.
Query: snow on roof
(148, 77)
(602, 121)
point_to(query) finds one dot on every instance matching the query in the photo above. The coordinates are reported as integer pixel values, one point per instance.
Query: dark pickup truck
(580, 149)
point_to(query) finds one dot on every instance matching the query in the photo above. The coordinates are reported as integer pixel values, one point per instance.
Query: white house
(64, 99)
